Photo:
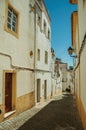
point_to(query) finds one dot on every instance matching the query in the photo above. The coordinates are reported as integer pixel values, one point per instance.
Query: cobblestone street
(59, 114)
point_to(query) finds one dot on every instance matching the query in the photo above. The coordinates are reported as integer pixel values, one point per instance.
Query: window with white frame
(12, 20)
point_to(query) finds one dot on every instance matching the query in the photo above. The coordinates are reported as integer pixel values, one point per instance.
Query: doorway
(45, 89)
(38, 90)
(10, 91)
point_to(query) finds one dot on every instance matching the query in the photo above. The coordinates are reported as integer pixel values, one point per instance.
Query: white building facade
(16, 62)
(42, 54)
(56, 75)
(79, 24)
(25, 76)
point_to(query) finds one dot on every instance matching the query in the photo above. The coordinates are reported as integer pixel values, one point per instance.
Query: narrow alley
(43, 65)
(59, 114)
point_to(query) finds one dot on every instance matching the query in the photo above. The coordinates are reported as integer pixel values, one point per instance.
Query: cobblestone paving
(15, 122)
(58, 114)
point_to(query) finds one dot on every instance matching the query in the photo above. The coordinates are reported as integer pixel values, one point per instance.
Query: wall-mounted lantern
(70, 52)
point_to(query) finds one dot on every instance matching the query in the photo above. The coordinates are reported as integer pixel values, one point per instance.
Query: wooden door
(38, 90)
(8, 92)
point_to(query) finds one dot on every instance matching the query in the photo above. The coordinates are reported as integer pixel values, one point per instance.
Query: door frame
(13, 72)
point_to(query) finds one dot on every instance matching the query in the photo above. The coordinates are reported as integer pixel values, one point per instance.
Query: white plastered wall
(18, 48)
(82, 31)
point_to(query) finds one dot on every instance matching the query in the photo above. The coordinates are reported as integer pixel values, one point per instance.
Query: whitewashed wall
(18, 48)
(44, 44)
(82, 31)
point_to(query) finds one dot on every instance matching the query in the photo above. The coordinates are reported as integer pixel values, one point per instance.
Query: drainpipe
(33, 10)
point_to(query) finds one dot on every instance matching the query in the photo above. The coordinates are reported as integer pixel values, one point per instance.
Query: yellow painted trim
(79, 65)
(42, 99)
(16, 34)
(74, 22)
(81, 112)
(25, 102)
(14, 73)
(1, 114)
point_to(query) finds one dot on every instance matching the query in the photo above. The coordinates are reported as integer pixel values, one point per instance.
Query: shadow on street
(57, 115)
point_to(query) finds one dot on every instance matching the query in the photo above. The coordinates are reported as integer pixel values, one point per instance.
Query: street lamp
(70, 52)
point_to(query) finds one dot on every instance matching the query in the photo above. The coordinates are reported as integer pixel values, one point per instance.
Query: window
(46, 57)
(48, 34)
(38, 55)
(39, 17)
(12, 19)
(44, 27)
(39, 21)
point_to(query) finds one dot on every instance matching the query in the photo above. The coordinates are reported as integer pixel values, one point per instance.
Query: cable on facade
(21, 68)
(13, 66)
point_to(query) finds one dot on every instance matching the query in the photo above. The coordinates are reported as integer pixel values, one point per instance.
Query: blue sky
(60, 14)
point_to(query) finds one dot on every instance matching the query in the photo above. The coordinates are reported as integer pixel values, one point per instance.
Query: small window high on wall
(48, 34)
